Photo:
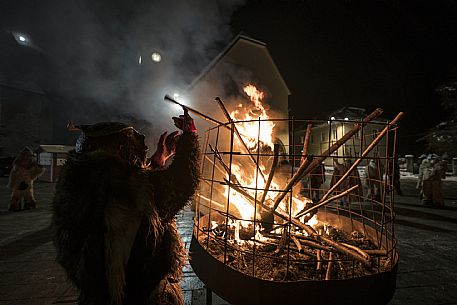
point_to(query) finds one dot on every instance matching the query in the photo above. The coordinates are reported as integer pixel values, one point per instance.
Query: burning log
(361, 252)
(272, 173)
(372, 145)
(297, 243)
(328, 274)
(319, 259)
(307, 167)
(238, 135)
(377, 252)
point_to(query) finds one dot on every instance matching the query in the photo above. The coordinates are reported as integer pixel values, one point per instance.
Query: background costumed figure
(24, 172)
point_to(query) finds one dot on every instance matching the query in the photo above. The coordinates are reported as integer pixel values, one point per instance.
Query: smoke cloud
(89, 53)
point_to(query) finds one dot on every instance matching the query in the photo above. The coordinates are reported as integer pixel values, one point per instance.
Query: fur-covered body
(116, 235)
(22, 176)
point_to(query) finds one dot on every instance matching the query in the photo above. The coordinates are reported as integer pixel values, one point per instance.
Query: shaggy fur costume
(24, 172)
(116, 235)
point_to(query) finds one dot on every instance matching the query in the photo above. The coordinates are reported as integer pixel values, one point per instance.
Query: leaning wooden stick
(304, 169)
(204, 116)
(238, 135)
(306, 143)
(353, 166)
(328, 274)
(272, 173)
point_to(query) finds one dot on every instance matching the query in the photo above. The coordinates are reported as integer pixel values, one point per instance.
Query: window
(335, 134)
(45, 158)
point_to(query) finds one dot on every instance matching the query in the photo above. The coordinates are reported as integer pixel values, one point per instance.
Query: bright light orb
(332, 118)
(139, 60)
(156, 57)
(22, 39)
(346, 119)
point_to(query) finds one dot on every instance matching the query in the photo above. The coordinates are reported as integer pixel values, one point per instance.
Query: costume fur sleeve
(175, 185)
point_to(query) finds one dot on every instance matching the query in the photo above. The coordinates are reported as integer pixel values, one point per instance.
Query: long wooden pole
(272, 173)
(306, 143)
(194, 111)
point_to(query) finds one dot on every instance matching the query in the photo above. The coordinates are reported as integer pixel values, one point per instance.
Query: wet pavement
(426, 236)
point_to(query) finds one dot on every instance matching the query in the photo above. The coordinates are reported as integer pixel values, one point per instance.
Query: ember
(254, 215)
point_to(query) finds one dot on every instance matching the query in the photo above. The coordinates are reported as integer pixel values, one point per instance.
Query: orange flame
(246, 175)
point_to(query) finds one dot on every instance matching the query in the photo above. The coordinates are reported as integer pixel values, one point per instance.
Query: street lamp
(22, 39)
(156, 57)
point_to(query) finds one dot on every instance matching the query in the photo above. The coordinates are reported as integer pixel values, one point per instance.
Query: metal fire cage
(274, 257)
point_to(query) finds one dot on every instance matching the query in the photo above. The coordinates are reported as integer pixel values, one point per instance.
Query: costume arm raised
(175, 185)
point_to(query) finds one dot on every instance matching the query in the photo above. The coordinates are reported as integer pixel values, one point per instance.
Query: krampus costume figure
(24, 172)
(116, 235)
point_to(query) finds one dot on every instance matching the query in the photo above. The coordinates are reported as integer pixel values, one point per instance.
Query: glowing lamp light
(22, 39)
(332, 118)
(346, 119)
(139, 60)
(156, 57)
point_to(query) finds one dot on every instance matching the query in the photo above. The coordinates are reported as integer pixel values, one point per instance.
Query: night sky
(369, 54)
(388, 54)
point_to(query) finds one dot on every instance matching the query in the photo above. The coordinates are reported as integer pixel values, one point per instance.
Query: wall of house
(326, 134)
(25, 120)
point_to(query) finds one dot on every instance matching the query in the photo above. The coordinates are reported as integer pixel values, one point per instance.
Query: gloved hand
(166, 147)
(185, 122)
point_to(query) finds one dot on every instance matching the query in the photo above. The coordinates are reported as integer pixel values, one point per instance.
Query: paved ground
(427, 246)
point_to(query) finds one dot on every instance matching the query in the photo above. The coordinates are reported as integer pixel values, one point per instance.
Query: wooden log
(328, 274)
(271, 174)
(307, 167)
(360, 251)
(304, 153)
(319, 260)
(376, 252)
(297, 243)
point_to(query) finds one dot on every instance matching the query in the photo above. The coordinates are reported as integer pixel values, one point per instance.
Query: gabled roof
(353, 113)
(55, 148)
(224, 52)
